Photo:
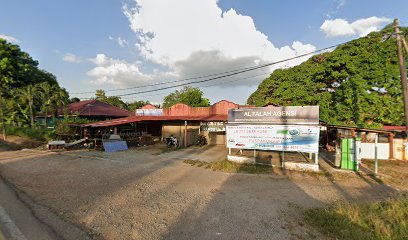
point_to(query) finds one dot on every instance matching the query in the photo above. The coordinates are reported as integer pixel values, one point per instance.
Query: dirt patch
(17, 143)
(138, 195)
(392, 172)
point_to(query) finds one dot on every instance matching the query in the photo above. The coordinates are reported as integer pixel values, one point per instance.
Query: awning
(133, 119)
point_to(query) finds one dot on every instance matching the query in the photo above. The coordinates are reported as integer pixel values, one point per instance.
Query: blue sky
(94, 44)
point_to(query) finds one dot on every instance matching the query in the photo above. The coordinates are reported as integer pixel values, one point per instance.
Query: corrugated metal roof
(94, 108)
(133, 119)
(394, 128)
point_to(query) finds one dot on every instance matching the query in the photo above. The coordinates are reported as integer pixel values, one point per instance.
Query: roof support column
(391, 144)
(185, 133)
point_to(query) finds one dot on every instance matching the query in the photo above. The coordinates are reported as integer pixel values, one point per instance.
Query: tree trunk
(31, 113)
(3, 124)
(46, 118)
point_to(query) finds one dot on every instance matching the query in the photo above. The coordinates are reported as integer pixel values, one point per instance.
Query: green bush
(39, 134)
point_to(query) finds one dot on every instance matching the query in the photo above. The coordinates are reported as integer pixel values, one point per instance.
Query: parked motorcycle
(202, 140)
(171, 142)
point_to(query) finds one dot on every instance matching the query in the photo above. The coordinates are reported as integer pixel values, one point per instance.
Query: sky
(116, 44)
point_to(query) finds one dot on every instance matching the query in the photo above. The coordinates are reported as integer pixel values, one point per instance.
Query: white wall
(367, 150)
(399, 149)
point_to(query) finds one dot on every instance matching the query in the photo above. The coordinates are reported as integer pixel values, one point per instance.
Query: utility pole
(403, 73)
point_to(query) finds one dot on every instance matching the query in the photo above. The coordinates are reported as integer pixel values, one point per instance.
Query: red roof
(148, 106)
(133, 119)
(394, 128)
(178, 112)
(94, 108)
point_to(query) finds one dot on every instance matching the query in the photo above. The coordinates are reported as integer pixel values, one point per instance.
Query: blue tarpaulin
(114, 146)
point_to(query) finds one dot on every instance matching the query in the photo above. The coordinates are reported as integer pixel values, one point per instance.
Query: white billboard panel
(274, 137)
(149, 112)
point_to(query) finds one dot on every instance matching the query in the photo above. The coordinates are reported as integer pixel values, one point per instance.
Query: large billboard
(274, 137)
(275, 115)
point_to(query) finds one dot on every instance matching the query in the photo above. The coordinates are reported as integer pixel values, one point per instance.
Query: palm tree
(52, 97)
(27, 95)
(59, 98)
(46, 97)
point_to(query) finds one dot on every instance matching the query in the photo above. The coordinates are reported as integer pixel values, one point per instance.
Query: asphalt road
(17, 221)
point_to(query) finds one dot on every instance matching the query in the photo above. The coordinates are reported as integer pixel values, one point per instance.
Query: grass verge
(32, 133)
(231, 167)
(381, 220)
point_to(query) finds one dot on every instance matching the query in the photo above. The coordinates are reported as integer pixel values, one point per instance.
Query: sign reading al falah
(275, 115)
(292, 128)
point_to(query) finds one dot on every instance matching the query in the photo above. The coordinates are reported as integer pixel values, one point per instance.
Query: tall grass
(231, 167)
(381, 220)
(32, 133)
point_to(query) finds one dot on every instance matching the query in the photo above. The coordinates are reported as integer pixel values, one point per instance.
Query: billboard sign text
(274, 137)
(275, 115)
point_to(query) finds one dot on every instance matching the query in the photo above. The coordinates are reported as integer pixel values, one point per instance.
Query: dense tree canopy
(137, 104)
(358, 83)
(188, 95)
(113, 100)
(24, 88)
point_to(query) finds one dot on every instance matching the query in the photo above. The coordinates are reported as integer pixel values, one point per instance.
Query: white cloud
(361, 27)
(192, 38)
(9, 38)
(184, 27)
(120, 41)
(71, 58)
(119, 73)
(340, 3)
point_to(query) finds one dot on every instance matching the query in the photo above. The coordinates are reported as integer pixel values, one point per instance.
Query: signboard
(274, 137)
(212, 126)
(275, 115)
(149, 112)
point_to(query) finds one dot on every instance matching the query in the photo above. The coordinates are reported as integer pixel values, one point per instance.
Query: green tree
(188, 95)
(16, 68)
(112, 100)
(28, 95)
(137, 104)
(356, 84)
(46, 93)
(52, 97)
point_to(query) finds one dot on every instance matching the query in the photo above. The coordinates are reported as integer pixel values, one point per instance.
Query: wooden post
(115, 130)
(403, 73)
(391, 145)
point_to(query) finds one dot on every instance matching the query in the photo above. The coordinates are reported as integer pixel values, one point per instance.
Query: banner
(212, 126)
(274, 137)
(149, 112)
(275, 115)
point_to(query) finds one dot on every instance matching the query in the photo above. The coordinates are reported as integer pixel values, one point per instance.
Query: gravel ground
(149, 193)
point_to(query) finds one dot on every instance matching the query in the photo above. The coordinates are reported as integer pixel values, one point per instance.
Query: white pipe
(376, 154)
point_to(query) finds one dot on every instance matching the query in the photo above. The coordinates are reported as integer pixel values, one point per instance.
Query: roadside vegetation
(39, 134)
(231, 167)
(344, 83)
(380, 220)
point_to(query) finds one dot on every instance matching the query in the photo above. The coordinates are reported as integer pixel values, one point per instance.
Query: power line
(161, 83)
(228, 75)
(205, 86)
(225, 74)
